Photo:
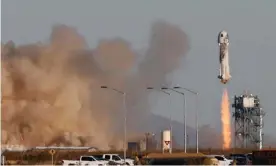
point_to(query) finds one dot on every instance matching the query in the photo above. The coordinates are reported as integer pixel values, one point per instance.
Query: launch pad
(248, 120)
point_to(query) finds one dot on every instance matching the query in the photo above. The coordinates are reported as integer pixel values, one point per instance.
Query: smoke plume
(51, 91)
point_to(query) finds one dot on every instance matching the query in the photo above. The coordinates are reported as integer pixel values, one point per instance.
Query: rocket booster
(223, 42)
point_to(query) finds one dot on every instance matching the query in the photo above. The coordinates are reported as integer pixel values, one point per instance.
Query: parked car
(222, 159)
(115, 159)
(242, 159)
(85, 160)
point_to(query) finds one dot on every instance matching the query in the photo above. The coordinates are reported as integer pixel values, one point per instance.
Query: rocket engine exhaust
(226, 120)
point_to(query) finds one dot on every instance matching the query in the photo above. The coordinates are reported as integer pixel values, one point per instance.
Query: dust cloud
(51, 91)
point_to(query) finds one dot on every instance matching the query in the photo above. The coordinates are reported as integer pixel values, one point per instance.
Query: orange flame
(226, 120)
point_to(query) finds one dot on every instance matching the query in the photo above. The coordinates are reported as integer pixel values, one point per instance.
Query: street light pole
(196, 111)
(196, 122)
(125, 117)
(184, 115)
(151, 88)
(185, 124)
(171, 145)
(125, 127)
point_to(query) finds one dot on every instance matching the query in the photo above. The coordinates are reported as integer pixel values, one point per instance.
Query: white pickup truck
(115, 159)
(86, 160)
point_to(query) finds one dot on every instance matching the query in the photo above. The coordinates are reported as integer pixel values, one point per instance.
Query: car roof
(241, 157)
(238, 154)
(216, 155)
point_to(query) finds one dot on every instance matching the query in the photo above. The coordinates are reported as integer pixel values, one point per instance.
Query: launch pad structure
(248, 120)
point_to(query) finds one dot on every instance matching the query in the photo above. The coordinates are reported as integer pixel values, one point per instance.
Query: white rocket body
(223, 42)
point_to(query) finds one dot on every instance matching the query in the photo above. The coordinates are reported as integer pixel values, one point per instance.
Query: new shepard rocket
(223, 42)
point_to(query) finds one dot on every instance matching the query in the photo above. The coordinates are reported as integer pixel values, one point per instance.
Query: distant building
(133, 147)
(145, 143)
(9, 147)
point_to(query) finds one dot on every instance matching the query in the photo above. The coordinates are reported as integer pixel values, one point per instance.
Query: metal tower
(248, 116)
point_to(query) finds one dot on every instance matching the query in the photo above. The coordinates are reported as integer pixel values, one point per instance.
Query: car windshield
(249, 156)
(121, 156)
(219, 158)
(228, 157)
(99, 158)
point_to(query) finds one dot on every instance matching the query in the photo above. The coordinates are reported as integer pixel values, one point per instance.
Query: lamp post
(125, 116)
(152, 88)
(196, 94)
(184, 114)
(147, 141)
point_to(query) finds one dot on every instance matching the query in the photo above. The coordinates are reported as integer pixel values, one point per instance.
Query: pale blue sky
(251, 25)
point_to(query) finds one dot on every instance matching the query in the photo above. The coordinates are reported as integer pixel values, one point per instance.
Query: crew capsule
(223, 38)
